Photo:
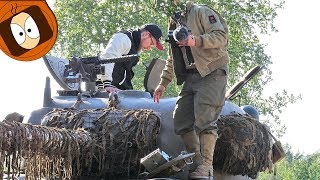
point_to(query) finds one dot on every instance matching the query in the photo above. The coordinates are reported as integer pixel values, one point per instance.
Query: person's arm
(216, 35)
(165, 78)
(167, 73)
(118, 45)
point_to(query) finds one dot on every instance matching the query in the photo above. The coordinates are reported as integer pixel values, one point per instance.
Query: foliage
(295, 167)
(85, 26)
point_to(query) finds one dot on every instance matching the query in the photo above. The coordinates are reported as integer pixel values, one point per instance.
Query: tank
(168, 147)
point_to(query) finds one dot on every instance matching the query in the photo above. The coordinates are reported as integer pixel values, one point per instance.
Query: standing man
(199, 59)
(118, 75)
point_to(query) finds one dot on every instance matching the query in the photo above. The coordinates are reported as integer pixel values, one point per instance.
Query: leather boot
(192, 143)
(205, 170)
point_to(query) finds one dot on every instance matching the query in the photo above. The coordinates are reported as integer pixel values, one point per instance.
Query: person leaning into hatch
(118, 75)
(199, 59)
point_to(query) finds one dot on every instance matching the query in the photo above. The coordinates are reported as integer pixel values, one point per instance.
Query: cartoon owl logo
(28, 29)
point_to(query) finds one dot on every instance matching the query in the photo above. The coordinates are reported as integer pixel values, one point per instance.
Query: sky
(296, 67)
(294, 51)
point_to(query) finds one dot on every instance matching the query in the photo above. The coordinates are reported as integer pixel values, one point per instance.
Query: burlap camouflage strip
(243, 147)
(112, 147)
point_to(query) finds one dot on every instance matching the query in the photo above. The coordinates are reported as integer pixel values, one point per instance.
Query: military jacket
(211, 36)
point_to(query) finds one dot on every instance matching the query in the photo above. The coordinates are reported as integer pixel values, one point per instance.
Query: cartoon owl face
(28, 29)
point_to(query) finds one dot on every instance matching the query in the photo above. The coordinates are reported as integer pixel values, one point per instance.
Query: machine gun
(86, 69)
(70, 74)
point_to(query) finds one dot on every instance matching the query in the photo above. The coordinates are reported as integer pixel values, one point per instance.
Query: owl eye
(18, 33)
(31, 28)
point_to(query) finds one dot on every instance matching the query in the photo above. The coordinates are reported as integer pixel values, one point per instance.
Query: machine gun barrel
(97, 60)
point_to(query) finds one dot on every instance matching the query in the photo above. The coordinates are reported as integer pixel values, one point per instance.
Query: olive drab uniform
(204, 85)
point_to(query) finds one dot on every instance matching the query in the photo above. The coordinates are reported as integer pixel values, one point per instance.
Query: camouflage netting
(113, 141)
(243, 147)
(48, 152)
(110, 142)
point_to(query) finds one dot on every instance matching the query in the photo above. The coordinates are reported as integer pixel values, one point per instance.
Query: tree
(86, 26)
(295, 167)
